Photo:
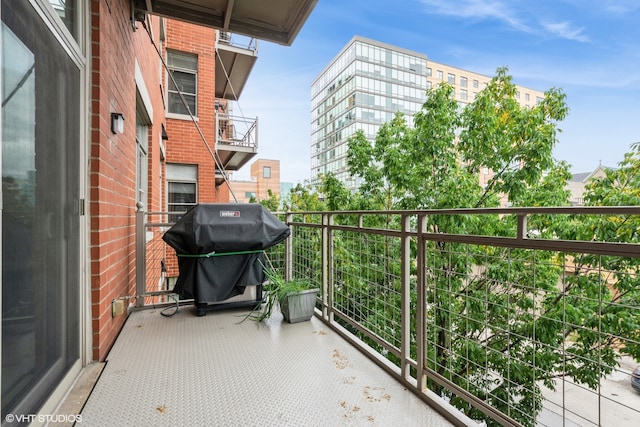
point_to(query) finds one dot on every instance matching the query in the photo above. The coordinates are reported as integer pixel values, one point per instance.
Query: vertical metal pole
(141, 254)
(421, 303)
(522, 226)
(405, 277)
(288, 250)
(327, 267)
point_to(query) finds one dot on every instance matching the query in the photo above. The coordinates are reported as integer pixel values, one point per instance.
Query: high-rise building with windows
(365, 85)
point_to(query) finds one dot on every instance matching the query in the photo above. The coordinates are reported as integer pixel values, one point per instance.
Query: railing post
(141, 254)
(522, 226)
(288, 250)
(327, 268)
(405, 277)
(421, 261)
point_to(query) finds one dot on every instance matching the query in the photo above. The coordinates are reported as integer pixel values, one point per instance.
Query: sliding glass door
(40, 213)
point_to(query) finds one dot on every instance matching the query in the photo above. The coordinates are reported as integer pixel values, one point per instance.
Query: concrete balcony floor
(215, 371)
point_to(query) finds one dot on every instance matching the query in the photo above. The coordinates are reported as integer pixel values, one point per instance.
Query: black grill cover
(206, 240)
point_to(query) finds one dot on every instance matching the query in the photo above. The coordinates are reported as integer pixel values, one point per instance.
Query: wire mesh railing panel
(161, 262)
(307, 254)
(525, 331)
(367, 287)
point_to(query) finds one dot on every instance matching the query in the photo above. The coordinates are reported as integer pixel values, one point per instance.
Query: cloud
(510, 14)
(622, 6)
(566, 31)
(479, 9)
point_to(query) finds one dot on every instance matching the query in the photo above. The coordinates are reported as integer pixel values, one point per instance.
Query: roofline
(372, 42)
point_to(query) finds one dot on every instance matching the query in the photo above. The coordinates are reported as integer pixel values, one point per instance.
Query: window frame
(177, 176)
(175, 92)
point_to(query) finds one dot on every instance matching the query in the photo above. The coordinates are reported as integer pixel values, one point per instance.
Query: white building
(365, 85)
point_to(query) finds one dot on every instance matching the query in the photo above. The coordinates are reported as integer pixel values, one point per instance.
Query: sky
(590, 49)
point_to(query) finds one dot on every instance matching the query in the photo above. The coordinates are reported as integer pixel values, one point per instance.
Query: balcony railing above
(237, 140)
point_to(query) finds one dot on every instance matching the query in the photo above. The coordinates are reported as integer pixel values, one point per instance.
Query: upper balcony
(235, 58)
(516, 328)
(236, 142)
(277, 21)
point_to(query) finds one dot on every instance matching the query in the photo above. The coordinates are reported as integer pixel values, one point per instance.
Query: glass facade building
(365, 85)
(362, 88)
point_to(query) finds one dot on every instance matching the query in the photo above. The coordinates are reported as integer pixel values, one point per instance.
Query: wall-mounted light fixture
(117, 123)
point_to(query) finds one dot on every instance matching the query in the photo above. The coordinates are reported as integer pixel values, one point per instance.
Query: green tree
(272, 202)
(436, 165)
(303, 197)
(606, 290)
(307, 248)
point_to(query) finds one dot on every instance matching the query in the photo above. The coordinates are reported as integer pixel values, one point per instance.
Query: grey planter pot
(299, 307)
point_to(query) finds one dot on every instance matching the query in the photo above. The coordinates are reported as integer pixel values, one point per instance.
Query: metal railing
(489, 311)
(237, 131)
(487, 321)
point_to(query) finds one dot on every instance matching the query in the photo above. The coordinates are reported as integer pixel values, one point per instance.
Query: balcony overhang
(277, 21)
(233, 157)
(233, 67)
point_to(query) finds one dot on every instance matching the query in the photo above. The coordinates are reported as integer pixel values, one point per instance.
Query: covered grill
(220, 250)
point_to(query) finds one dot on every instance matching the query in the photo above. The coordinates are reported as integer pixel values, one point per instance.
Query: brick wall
(265, 184)
(185, 143)
(115, 47)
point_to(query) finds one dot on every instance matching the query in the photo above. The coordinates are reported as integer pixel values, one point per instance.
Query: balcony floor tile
(215, 371)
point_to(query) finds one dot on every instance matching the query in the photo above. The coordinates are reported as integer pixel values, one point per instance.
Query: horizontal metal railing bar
(159, 224)
(367, 332)
(577, 210)
(306, 224)
(478, 403)
(598, 248)
(590, 247)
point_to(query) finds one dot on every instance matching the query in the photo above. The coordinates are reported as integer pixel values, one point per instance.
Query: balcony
(236, 56)
(278, 21)
(397, 300)
(236, 143)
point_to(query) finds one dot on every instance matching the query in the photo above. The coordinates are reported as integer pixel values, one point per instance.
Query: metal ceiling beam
(227, 14)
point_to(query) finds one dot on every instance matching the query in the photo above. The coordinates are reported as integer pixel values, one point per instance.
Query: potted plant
(297, 299)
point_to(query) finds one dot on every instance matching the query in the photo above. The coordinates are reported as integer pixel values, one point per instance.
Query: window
(142, 147)
(463, 94)
(429, 71)
(182, 186)
(440, 75)
(451, 78)
(526, 97)
(67, 10)
(184, 69)
(463, 81)
(266, 172)
(475, 84)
